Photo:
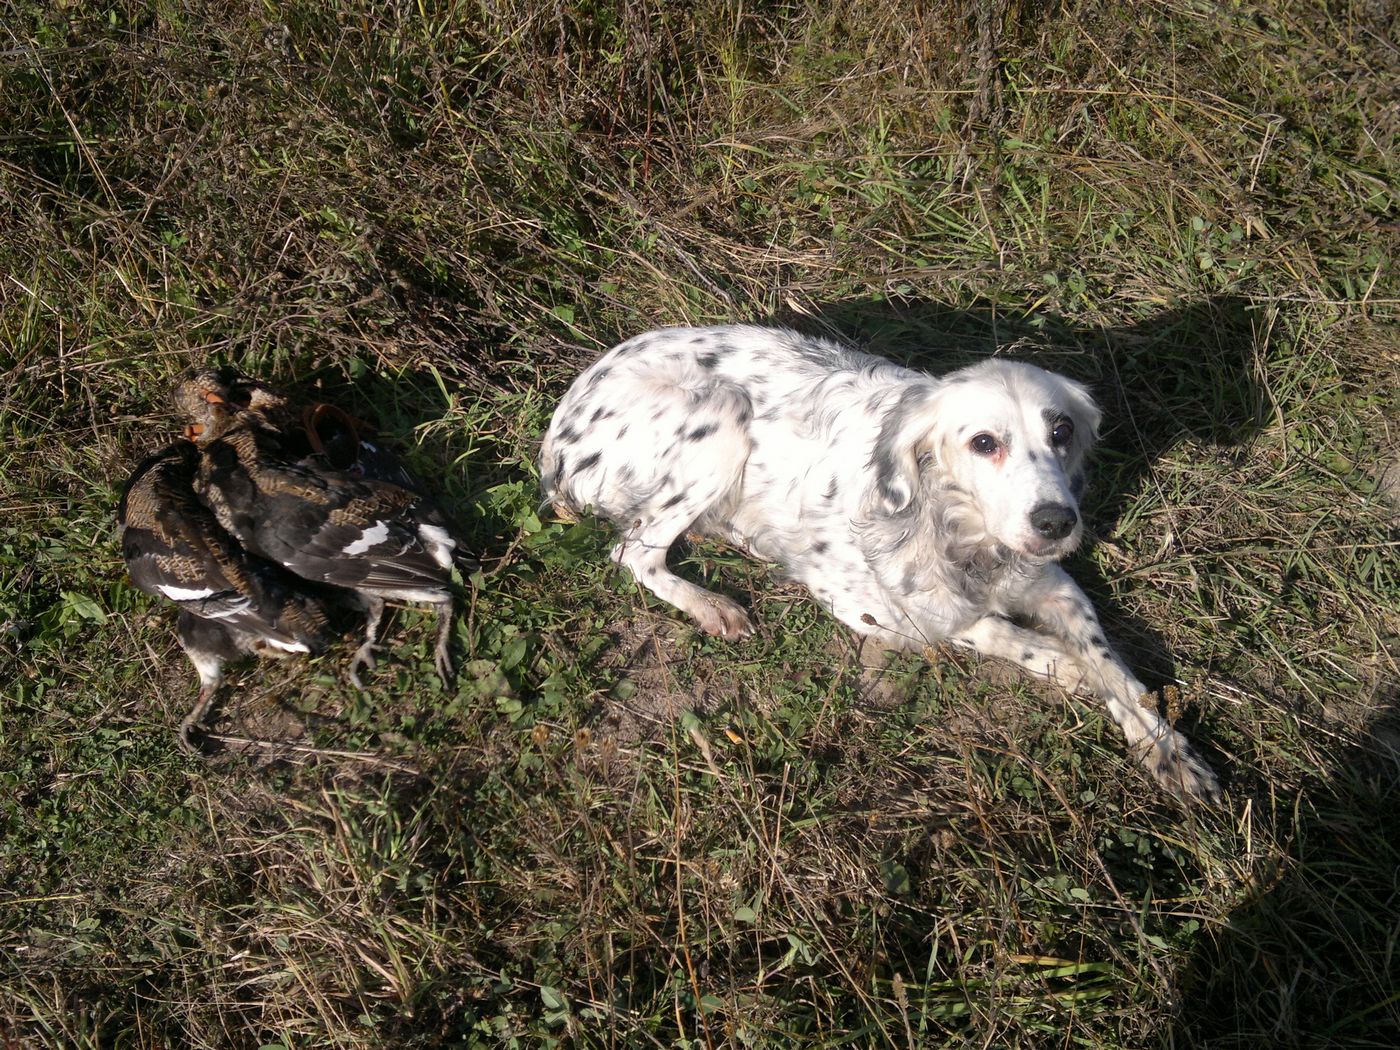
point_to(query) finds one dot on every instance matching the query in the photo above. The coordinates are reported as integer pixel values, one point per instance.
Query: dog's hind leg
(701, 470)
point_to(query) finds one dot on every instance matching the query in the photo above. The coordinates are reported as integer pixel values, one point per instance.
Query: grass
(613, 831)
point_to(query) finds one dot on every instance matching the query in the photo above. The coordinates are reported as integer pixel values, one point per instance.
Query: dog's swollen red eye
(984, 445)
(1062, 433)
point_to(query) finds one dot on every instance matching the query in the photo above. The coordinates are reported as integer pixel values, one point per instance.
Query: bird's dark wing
(326, 525)
(174, 548)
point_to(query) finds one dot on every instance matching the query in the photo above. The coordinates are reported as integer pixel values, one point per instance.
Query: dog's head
(1009, 438)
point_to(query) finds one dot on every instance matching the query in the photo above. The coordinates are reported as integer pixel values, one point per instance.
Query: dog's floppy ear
(1081, 407)
(1084, 411)
(905, 437)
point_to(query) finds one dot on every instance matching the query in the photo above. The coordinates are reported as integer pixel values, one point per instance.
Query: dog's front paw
(1180, 770)
(724, 618)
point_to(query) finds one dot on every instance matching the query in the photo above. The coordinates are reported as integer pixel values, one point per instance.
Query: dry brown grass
(613, 831)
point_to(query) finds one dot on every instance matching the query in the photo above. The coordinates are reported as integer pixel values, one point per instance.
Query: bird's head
(208, 399)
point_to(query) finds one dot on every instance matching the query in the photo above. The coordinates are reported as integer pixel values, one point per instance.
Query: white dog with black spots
(917, 509)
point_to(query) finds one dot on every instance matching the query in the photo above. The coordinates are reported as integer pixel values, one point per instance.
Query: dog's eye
(1062, 433)
(984, 445)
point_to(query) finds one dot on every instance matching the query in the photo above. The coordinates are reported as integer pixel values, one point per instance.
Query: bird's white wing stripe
(370, 538)
(184, 594)
(287, 647)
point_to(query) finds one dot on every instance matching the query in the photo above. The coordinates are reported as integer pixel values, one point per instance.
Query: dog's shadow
(1185, 375)
(1308, 959)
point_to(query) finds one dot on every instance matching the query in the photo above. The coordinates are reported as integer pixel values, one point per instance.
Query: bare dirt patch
(648, 698)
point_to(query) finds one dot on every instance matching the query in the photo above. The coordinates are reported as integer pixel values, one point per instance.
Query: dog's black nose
(1054, 521)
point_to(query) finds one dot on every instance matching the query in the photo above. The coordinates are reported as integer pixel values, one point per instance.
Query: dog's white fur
(916, 509)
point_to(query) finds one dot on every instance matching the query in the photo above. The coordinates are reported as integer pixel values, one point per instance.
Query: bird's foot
(364, 657)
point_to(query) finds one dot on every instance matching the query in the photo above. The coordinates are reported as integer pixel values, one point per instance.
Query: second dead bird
(318, 435)
(283, 501)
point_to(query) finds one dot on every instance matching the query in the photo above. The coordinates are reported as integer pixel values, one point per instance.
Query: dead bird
(346, 528)
(231, 603)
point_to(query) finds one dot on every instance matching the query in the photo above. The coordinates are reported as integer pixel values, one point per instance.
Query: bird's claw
(364, 657)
